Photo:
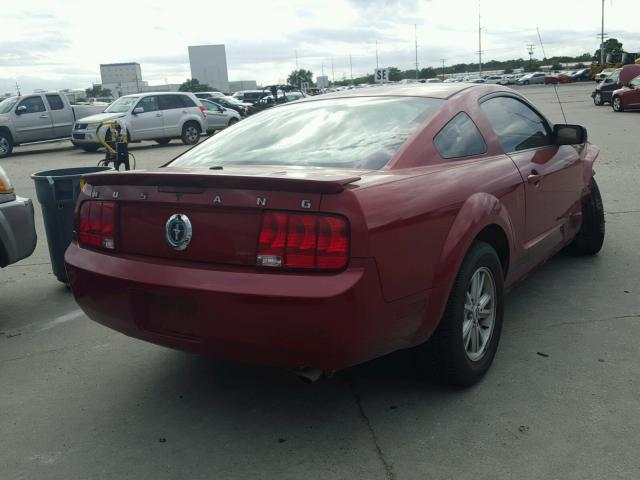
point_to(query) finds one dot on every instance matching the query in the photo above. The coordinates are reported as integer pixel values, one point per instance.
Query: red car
(329, 231)
(556, 78)
(628, 97)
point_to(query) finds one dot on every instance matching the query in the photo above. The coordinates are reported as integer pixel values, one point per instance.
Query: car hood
(101, 117)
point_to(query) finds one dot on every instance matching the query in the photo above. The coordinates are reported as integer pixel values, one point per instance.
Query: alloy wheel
(192, 134)
(479, 313)
(617, 104)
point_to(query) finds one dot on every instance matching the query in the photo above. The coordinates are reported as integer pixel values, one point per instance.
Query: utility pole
(296, 59)
(531, 47)
(602, 37)
(415, 34)
(18, 89)
(351, 68)
(479, 42)
(377, 66)
(333, 76)
(443, 62)
(322, 69)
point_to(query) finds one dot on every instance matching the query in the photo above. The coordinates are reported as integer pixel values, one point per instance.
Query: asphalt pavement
(562, 400)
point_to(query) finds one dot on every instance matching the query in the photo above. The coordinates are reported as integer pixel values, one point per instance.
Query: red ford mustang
(329, 231)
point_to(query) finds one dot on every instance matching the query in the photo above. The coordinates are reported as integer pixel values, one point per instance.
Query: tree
(193, 85)
(298, 77)
(98, 91)
(612, 46)
(395, 74)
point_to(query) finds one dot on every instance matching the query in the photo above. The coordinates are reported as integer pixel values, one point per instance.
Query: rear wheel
(190, 133)
(232, 121)
(163, 141)
(462, 348)
(6, 144)
(526, 82)
(597, 99)
(590, 238)
(616, 103)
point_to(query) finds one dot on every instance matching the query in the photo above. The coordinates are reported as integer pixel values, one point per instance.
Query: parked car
(604, 74)
(314, 237)
(556, 78)
(476, 80)
(243, 108)
(38, 117)
(17, 228)
(614, 81)
(531, 78)
(250, 96)
(146, 116)
(495, 79)
(218, 117)
(282, 96)
(582, 75)
(205, 95)
(628, 97)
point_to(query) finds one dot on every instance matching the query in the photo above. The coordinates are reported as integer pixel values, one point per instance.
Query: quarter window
(33, 104)
(55, 102)
(459, 138)
(516, 125)
(150, 104)
(186, 101)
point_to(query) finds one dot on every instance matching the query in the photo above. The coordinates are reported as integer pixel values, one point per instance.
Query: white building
(238, 85)
(209, 66)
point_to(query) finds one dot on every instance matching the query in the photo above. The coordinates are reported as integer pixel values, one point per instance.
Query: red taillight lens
(306, 241)
(202, 109)
(96, 224)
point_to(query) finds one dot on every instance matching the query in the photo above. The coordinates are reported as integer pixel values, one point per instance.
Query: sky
(57, 44)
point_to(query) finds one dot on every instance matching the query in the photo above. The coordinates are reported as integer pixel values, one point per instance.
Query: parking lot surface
(80, 401)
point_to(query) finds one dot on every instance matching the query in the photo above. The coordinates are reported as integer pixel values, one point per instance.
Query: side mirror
(21, 109)
(138, 110)
(569, 134)
(221, 110)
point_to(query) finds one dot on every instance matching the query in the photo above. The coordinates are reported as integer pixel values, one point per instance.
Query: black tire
(590, 237)
(526, 82)
(232, 121)
(6, 144)
(163, 141)
(616, 104)
(445, 354)
(190, 133)
(597, 99)
(90, 148)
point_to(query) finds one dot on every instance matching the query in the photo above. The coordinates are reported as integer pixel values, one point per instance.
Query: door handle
(534, 177)
(44, 116)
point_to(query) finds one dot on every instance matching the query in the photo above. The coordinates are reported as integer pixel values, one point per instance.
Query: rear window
(359, 132)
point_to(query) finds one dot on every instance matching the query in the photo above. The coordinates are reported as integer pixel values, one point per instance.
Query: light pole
(415, 34)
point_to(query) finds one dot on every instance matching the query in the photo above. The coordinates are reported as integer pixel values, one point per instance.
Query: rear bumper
(17, 230)
(283, 319)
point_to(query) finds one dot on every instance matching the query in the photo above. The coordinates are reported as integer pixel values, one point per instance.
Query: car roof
(427, 90)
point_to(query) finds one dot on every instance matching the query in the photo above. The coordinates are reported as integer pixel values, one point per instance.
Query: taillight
(202, 109)
(97, 224)
(303, 241)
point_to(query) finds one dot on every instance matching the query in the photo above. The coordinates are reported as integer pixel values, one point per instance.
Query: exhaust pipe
(309, 375)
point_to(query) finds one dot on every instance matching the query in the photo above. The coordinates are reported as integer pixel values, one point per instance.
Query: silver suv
(146, 116)
(17, 228)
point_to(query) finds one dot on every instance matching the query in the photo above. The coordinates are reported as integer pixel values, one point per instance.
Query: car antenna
(555, 87)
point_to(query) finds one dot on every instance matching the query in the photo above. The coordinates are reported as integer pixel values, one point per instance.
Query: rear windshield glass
(359, 132)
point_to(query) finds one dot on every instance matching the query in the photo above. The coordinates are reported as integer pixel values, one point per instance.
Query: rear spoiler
(315, 182)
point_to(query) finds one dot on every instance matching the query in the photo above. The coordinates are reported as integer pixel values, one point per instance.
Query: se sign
(381, 75)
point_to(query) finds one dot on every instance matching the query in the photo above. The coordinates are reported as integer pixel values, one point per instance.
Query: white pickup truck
(38, 117)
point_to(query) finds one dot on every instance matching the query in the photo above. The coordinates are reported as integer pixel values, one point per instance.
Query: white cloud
(60, 43)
